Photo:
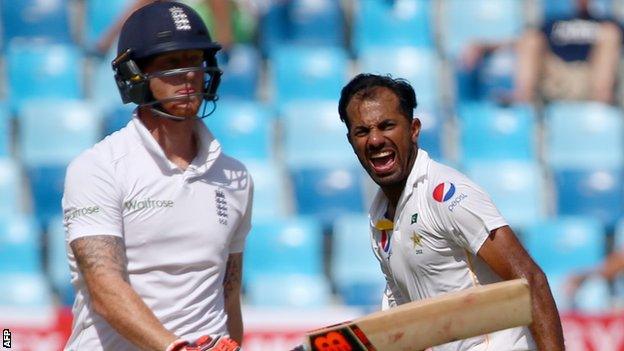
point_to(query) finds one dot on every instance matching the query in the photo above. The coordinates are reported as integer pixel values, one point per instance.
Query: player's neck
(176, 138)
(393, 194)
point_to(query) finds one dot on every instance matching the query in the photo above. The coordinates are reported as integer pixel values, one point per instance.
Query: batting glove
(205, 343)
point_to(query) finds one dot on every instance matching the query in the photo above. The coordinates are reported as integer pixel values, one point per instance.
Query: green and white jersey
(430, 247)
(179, 226)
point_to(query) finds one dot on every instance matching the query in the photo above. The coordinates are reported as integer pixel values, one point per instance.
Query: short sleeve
(237, 244)
(91, 203)
(467, 212)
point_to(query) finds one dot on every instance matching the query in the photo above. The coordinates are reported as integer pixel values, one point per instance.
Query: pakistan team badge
(414, 218)
(416, 242)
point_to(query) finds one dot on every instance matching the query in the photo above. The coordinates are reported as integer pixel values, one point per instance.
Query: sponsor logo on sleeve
(457, 201)
(444, 192)
(80, 212)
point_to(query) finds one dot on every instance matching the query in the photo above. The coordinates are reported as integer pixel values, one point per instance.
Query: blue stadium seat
(317, 22)
(42, 20)
(328, 192)
(326, 177)
(300, 72)
(291, 245)
(117, 118)
(354, 269)
(491, 79)
(100, 15)
(20, 250)
(420, 66)
(289, 290)
(579, 134)
(245, 129)
(431, 136)
(43, 71)
(479, 20)
(593, 296)
(241, 70)
(557, 8)
(516, 187)
(563, 246)
(72, 124)
(56, 261)
(10, 188)
(274, 28)
(597, 193)
(5, 131)
(27, 290)
(313, 23)
(46, 186)
(392, 23)
(47, 124)
(496, 75)
(618, 239)
(271, 201)
(314, 135)
(551, 9)
(490, 132)
(102, 92)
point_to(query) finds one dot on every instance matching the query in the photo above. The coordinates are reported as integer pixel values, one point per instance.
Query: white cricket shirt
(431, 245)
(178, 227)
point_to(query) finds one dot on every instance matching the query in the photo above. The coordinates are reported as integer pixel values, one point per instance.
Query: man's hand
(205, 343)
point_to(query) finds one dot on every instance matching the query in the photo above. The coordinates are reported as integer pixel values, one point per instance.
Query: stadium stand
(304, 73)
(43, 71)
(247, 120)
(511, 129)
(579, 133)
(241, 72)
(36, 20)
(518, 190)
(564, 245)
(20, 251)
(355, 274)
(392, 23)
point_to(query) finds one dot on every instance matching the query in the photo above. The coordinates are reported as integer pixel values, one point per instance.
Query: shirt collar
(208, 151)
(380, 202)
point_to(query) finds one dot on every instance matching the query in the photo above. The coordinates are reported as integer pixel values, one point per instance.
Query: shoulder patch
(444, 191)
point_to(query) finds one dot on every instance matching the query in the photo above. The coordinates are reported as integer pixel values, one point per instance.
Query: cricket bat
(421, 324)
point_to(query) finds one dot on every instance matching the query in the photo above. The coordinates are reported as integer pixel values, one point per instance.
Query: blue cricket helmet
(164, 26)
(157, 28)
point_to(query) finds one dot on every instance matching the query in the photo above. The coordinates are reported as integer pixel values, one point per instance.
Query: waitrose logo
(146, 204)
(79, 212)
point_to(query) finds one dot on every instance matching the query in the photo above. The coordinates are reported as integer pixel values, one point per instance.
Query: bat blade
(421, 324)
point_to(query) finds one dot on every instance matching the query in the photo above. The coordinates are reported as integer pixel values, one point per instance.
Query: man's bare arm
(231, 294)
(103, 264)
(505, 255)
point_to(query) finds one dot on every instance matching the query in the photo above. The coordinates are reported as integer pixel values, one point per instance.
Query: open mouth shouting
(382, 162)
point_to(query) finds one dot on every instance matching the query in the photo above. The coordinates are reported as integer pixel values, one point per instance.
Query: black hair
(364, 86)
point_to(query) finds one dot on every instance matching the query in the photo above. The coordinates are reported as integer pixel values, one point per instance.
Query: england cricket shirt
(430, 246)
(179, 226)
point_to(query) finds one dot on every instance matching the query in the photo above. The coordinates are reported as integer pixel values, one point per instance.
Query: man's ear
(415, 129)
